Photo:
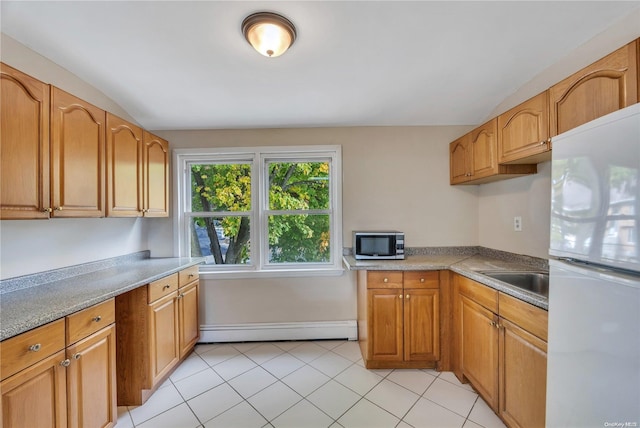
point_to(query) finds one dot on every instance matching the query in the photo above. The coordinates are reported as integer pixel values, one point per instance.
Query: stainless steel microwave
(382, 245)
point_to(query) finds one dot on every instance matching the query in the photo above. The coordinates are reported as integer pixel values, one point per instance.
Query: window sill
(284, 273)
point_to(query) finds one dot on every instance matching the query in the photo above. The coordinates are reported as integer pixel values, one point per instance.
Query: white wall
(393, 177)
(29, 246)
(528, 197)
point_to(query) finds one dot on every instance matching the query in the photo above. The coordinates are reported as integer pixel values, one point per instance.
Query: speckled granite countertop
(467, 265)
(34, 300)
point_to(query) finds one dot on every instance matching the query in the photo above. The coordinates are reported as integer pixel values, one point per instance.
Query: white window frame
(259, 157)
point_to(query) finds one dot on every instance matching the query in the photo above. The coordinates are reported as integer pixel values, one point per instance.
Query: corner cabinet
(158, 326)
(24, 146)
(605, 86)
(399, 318)
(45, 383)
(494, 334)
(473, 158)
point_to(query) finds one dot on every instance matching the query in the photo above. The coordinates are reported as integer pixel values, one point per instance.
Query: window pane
(299, 239)
(226, 239)
(298, 185)
(220, 187)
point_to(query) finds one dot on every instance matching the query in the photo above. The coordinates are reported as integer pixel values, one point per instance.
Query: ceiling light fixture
(269, 33)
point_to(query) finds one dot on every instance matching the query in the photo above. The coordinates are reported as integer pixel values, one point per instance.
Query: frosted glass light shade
(269, 33)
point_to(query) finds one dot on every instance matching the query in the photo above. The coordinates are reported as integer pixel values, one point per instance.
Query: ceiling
(186, 65)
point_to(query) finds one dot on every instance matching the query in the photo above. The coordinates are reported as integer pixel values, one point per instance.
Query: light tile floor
(303, 385)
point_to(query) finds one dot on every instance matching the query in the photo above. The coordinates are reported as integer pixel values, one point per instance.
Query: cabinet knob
(35, 348)
(542, 143)
(65, 363)
(77, 356)
(180, 296)
(407, 296)
(97, 319)
(400, 296)
(47, 210)
(191, 275)
(166, 287)
(58, 208)
(421, 279)
(385, 280)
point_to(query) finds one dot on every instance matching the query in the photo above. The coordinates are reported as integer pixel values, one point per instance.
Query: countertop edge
(10, 326)
(462, 265)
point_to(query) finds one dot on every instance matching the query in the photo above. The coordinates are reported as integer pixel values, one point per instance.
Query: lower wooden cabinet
(91, 380)
(157, 327)
(36, 396)
(399, 318)
(479, 349)
(70, 387)
(500, 347)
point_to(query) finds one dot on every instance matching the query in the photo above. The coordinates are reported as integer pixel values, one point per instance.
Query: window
(248, 210)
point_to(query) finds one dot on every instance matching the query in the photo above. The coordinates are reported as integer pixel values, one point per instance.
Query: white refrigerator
(593, 372)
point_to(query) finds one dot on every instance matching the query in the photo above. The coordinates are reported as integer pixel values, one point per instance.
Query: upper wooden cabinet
(77, 156)
(155, 176)
(24, 146)
(63, 157)
(460, 159)
(124, 168)
(523, 132)
(473, 158)
(605, 86)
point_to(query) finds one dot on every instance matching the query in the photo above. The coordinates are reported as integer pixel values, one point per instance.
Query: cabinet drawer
(531, 318)
(481, 294)
(188, 275)
(422, 279)
(30, 347)
(384, 279)
(162, 287)
(87, 321)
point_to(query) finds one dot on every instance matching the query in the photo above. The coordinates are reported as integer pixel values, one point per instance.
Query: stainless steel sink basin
(535, 282)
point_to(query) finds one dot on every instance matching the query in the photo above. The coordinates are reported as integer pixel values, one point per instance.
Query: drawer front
(188, 275)
(531, 318)
(162, 287)
(87, 321)
(481, 294)
(30, 347)
(384, 279)
(422, 279)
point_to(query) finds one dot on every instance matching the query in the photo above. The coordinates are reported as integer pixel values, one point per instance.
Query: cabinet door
(460, 160)
(77, 156)
(421, 325)
(523, 377)
(523, 131)
(124, 168)
(91, 380)
(385, 324)
(163, 331)
(24, 146)
(188, 323)
(155, 176)
(36, 396)
(484, 144)
(605, 86)
(479, 349)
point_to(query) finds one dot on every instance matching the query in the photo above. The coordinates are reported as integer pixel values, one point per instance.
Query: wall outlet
(517, 224)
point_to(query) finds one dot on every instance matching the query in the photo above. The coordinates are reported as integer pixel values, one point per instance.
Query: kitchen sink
(535, 282)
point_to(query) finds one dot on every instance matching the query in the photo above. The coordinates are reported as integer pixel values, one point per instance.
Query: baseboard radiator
(258, 332)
